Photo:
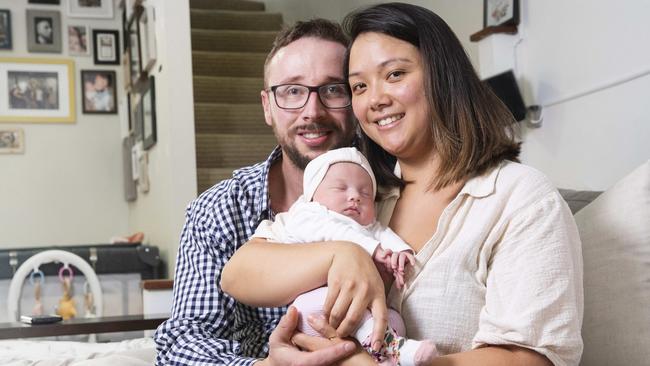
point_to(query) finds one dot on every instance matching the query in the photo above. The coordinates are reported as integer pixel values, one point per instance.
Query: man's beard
(301, 160)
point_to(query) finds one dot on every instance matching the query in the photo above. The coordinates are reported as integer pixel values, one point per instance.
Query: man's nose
(314, 109)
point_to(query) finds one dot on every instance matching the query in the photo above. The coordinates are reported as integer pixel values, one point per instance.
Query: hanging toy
(66, 308)
(38, 305)
(89, 302)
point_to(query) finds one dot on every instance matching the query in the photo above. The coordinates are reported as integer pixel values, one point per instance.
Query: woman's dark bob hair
(473, 131)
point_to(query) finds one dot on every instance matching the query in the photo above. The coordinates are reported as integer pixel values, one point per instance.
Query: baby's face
(347, 189)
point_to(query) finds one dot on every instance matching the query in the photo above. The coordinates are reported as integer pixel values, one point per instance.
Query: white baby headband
(316, 169)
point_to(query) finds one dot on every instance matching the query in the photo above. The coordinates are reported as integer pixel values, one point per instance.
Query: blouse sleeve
(534, 296)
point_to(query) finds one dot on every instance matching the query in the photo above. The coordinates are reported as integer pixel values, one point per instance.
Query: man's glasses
(296, 96)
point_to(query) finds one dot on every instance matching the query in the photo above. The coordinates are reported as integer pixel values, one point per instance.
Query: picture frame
(135, 59)
(148, 106)
(500, 12)
(147, 37)
(78, 36)
(106, 47)
(12, 141)
(130, 189)
(90, 9)
(125, 113)
(45, 2)
(5, 29)
(37, 90)
(136, 115)
(99, 91)
(43, 31)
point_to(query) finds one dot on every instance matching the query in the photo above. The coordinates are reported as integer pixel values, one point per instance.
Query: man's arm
(199, 330)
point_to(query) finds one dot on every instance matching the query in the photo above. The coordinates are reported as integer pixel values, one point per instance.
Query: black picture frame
(148, 102)
(500, 12)
(5, 29)
(106, 47)
(135, 55)
(99, 91)
(45, 2)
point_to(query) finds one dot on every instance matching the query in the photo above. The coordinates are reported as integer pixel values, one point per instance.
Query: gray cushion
(578, 199)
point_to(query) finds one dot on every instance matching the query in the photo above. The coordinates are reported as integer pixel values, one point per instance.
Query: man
(207, 326)
(44, 31)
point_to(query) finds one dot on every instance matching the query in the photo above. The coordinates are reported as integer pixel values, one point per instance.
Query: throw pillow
(615, 234)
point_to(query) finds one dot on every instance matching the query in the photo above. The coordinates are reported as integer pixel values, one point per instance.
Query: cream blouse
(504, 267)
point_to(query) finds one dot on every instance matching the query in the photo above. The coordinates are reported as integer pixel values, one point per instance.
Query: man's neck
(285, 184)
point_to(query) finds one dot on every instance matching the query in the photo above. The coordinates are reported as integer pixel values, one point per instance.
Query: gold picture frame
(37, 90)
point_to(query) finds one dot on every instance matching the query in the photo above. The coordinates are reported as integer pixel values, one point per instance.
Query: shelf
(507, 29)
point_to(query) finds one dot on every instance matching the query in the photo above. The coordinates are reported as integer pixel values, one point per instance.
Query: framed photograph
(130, 189)
(135, 61)
(148, 101)
(500, 12)
(126, 69)
(5, 29)
(106, 47)
(137, 115)
(147, 31)
(43, 31)
(12, 141)
(90, 8)
(78, 40)
(45, 2)
(37, 90)
(125, 113)
(99, 93)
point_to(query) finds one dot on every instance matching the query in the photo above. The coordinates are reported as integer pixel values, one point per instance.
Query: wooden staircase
(230, 40)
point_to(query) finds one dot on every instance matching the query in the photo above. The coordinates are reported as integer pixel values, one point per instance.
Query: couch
(615, 231)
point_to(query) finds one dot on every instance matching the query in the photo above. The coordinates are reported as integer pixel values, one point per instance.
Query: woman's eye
(358, 87)
(395, 74)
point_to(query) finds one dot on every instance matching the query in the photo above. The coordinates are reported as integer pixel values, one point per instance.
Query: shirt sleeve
(534, 296)
(388, 239)
(307, 222)
(199, 330)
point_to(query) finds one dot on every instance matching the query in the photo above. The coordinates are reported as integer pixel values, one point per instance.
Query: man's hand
(354, 286)
(282, 352)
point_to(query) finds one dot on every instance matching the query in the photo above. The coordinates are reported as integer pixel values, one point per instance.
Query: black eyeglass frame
(311, 89)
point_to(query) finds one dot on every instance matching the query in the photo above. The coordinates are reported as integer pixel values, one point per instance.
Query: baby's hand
(383, 257)
(398, 261)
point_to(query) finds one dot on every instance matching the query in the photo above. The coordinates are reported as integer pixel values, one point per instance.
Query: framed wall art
(37, 90)
(148, 101)
(99, 92)
(500, 12)
(135, 60)
(90, 8)
(43, 31)
(12, 141)
(147, 31)
(78, 40)
(45, 2)
(5, 29)
(106, 47)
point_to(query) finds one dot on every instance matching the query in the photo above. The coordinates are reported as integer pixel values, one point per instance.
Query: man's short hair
(317, 28)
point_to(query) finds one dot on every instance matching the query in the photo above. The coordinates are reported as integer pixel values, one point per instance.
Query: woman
(498, 274)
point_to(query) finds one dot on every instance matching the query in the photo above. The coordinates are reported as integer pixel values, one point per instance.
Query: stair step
(226, 150)
(222, 89)
(229, 118)
(232, 40)
(227, 4)
(245, 64)
(229, 19)
(207, 177)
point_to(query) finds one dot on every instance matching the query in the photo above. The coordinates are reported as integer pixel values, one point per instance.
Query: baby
(339, 191)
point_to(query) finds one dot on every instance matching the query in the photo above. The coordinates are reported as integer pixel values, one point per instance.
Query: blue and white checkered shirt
(207, 326)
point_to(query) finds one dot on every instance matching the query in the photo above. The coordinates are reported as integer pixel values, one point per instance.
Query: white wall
(172, 162)
(593, 141)
(67, 186)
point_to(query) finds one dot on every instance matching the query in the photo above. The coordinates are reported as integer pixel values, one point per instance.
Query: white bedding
(133, 352)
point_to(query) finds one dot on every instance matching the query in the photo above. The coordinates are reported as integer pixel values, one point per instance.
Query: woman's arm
(281, 272)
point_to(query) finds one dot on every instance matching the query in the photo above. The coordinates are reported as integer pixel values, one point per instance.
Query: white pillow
(615, 233)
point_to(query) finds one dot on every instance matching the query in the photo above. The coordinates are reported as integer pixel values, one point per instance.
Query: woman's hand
(315, 344)
(354, 287)
(282, 352)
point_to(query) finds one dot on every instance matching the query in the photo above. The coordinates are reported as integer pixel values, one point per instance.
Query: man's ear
(266, 105)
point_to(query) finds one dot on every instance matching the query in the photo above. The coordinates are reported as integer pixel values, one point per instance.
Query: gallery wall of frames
(46, 73)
